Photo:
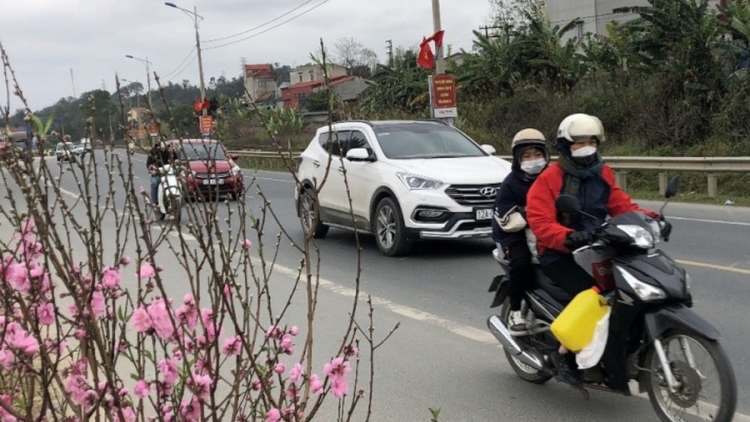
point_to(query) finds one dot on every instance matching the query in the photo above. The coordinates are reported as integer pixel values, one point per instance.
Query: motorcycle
(654, 339)
(169, 195)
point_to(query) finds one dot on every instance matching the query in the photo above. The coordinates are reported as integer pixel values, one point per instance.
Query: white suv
(408, 180)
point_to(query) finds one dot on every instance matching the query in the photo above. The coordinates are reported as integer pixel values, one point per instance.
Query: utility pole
(440, 64)
(389, 51)
(200, 59)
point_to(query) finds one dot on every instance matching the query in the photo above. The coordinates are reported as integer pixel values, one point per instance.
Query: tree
(357, 58)
(512, 15)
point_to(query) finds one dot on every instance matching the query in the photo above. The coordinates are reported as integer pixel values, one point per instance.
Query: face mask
(583, 152)
(534, 167)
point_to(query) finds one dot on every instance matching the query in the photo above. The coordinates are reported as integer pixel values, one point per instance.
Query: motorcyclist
(581, 172)
(509, 228)
(159, 155)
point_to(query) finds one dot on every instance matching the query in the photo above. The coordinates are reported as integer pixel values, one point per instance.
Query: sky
(45, 39)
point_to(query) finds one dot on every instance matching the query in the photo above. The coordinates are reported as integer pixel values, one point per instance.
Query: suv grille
(471, 195)
(211, 175)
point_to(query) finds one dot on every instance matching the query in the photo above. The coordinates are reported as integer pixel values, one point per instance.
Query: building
(260, 83)
(595, 14)
(346, 88)
(313, 72)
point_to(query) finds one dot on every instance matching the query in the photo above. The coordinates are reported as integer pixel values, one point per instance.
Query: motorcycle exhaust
(500, 332)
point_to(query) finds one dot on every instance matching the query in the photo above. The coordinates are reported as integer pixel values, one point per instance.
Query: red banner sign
(207, 124)
(444, 87)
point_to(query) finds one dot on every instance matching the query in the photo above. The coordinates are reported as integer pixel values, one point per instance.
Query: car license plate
(484, 214)
(213, 182)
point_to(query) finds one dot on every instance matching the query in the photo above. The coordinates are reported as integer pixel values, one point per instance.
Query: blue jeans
(155, 188)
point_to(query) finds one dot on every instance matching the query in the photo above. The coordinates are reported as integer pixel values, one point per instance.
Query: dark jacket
(511, 193)
(598, 193)
(158, 157)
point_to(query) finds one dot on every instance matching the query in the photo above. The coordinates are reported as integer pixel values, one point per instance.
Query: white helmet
(581, 125)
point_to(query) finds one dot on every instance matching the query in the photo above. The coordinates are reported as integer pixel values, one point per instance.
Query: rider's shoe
(518, 325)
(567, 372)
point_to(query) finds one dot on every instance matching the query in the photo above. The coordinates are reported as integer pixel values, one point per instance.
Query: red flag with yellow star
(425, 59)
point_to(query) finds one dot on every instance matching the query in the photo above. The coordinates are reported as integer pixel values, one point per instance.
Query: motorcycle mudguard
(677, 317)
(501, 285)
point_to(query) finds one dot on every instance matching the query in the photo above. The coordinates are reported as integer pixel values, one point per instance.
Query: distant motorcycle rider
(509, 228)
(581, 172)
(159, 155)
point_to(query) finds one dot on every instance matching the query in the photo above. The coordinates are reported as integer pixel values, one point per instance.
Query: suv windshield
(425, 140)
(203, 152)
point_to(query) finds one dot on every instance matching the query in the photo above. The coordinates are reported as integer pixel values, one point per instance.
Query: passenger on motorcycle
(580, 172)
(509, 228)
(159, 155)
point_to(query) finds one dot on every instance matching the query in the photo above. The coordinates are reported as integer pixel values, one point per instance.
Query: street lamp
(148, 75)
(195, 18)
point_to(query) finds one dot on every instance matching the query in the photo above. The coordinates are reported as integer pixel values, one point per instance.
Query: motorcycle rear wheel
(521, 369)
(689, 401)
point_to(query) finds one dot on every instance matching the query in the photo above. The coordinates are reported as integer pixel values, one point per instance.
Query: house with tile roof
(260, 83)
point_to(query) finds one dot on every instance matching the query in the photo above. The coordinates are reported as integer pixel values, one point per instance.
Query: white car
(408, 181)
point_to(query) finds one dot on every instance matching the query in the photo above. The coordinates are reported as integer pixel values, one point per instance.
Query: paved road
(443, 356)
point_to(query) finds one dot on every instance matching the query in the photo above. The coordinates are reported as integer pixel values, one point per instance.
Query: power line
(269, 29)
(167, 75)
(260, 26)
(183, 69)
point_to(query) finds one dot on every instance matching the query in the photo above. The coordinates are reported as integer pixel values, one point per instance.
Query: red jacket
(542, 215)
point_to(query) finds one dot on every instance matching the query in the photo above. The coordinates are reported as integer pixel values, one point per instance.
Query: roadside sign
(206, 125)
(153, 129)
(443, 96)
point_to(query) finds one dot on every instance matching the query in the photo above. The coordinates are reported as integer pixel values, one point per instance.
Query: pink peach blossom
(246, 244)
(140, 320)
(98, 305)
(316, 385)
(46, 313)
(25, 342)
(279, 368)
(294, 330)
(339, 386)
(146, 271)
(232, 346)
(142, 389)
(295, 374)
(111, 278)
(125, 260)
(273, 415)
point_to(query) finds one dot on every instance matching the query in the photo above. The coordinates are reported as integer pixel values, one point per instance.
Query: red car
(211, 172)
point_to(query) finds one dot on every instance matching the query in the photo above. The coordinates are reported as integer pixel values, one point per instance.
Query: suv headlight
(236, 170)
(645, 291)
(641, 237)
(414, 182)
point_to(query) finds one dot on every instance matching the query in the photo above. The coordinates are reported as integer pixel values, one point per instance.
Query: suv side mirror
(358, 154)
(567, 204)
(234, 157)
(489, 149)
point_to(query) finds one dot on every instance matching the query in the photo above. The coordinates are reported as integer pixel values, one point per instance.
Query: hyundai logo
(488, 192)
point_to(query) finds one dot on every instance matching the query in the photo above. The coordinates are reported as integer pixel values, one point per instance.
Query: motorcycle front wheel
(521, 369)
(176, 209)
(705, 385)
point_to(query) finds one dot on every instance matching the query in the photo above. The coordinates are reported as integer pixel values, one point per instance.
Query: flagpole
(440, 62)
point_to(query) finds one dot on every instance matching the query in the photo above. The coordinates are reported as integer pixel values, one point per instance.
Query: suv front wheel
(390, 233)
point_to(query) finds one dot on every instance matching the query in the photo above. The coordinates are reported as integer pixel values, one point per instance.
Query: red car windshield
(202, 152)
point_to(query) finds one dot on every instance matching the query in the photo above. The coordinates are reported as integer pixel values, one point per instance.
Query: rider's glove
(576, 240)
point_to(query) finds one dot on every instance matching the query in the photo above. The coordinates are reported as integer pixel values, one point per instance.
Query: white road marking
(271, 179)
(703, 220)
(415, 314)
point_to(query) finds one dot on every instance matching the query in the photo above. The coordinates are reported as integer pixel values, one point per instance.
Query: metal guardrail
(621, 165)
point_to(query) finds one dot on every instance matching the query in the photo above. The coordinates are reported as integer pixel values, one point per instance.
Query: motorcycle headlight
(236, 170)
(414, 182)
(645, 291)
(641, 237)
